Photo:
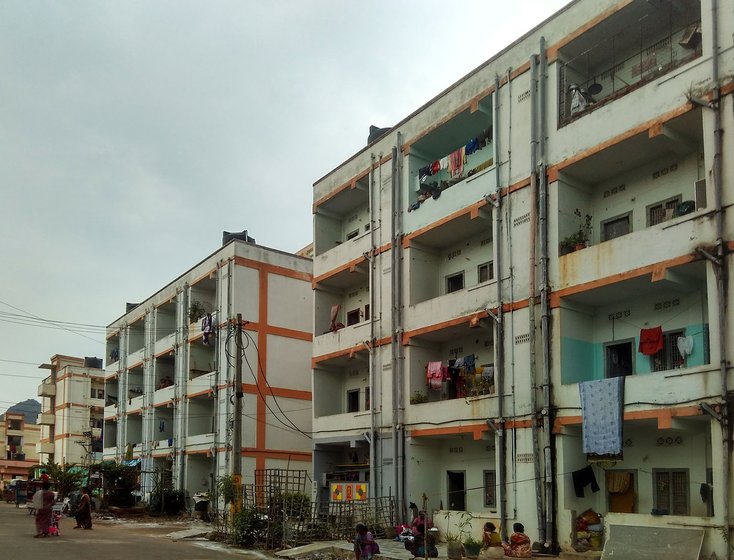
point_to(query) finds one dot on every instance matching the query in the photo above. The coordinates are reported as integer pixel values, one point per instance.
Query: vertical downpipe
(394, 326)
(398, 330)
(499, 349)
(544, 305)
(371, 347)
(532, 289)
(721, 271)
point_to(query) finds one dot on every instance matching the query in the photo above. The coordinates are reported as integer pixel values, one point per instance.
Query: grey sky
(133, 133)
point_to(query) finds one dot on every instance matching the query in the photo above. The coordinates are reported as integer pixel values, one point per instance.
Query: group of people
(517, 546)
(43, 501)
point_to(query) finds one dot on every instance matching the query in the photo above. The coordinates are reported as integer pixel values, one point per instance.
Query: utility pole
(237, 431)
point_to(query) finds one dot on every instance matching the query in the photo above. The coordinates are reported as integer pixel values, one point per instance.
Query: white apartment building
(170, 386)
(72, 403)
(553, 219)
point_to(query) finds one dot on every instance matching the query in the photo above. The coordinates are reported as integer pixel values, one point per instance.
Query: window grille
(668, 357)
(671, 491)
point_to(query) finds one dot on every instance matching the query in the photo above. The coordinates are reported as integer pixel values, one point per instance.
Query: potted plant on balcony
(472, 546)
(580, 238)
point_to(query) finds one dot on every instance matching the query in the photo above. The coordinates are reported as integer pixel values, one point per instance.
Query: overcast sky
(132, 133)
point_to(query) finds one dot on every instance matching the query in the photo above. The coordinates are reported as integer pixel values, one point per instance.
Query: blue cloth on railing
(602, 415)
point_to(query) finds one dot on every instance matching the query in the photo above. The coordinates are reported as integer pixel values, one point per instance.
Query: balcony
(165, 343)
(342, 391)
(135, 405)
(634, 46)
(45, 447)
(600, 331)
(47, 390)
(46, 419)
(346, 422)
(110, 411)
(163, 396)
(202, 384)
(342, 225)
(200, 441)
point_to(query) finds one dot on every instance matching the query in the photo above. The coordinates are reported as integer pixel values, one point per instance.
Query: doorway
(456, 490)
(618, 360)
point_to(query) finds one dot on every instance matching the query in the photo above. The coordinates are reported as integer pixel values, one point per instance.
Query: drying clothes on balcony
(469, 363)
(207, 327)
(444, 162)
(685, 345)
(602, 415)
(424, 172)
(582, 478)
(456, 162)
(436, 373)
(471, 146)
(435, 167)
(651, 341)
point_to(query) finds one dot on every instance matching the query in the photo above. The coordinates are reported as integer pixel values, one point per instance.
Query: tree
(66, 476)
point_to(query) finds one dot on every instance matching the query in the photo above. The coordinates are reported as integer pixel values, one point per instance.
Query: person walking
(43, 501)
(84, 511)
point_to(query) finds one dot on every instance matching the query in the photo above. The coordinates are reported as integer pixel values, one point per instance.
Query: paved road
(109, 540)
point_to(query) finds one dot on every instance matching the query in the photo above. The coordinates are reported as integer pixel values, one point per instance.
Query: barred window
(490, 484)
(671, 490)
(669, 356)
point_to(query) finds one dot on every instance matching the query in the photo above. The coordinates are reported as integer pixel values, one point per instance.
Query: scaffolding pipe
(499, 370)
(721, 271)
(544, 306)
(531, 292)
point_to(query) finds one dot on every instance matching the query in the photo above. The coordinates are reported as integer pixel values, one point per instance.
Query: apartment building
(170, 371)
(549, 226)
(71, 411)
(18, 440)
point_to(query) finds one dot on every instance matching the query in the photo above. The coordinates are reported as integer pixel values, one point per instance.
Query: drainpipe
(371, 347)
(396, 327)
(721, 269)
(499, 349)
(532, 289)
(508, 229)
(545, 308)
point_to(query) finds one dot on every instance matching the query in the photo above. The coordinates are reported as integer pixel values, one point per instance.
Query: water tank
(228, 236)
(93, 362)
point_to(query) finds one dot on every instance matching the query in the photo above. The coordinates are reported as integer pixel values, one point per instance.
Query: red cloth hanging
(435, 374)
(651, 341)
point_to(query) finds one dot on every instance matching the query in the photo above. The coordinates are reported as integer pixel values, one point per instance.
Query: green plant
(196, 311)
(462, 526)
(418, 397)
(66, 476)
(119, 482)
(582, 235)
(248, 527)
(226, 488)
(471, 541)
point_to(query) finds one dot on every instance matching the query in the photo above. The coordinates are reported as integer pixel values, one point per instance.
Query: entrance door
(618, 358)
(621, 490)
(457, 490)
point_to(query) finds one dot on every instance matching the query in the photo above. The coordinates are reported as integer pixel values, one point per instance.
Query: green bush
(248, 527)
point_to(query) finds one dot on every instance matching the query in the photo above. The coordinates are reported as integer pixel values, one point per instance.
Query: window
(100, 393)
(367, 398)
(353, 400)
(669, 357)
(367, 312)
(15, 425)
(671, 491)
(490, 483)
(618, 359)
(352, 317)
(485, 272)
(616, 227)
(352, 234)
(455, 282)
(663, 211)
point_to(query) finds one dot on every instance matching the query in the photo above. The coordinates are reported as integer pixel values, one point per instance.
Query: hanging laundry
(651, 341)
(435, 167)
(469, 362)
(471, 146)
(602, 415)
(424, 172)
(207, 327)
(435, 373)
(582, 478)
(456, 162)
(685, 345)
(444, 162)
(162, 426)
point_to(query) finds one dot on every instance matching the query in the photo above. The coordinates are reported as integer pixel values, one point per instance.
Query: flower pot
(472, 549)
(579, 246)
(454, 550)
